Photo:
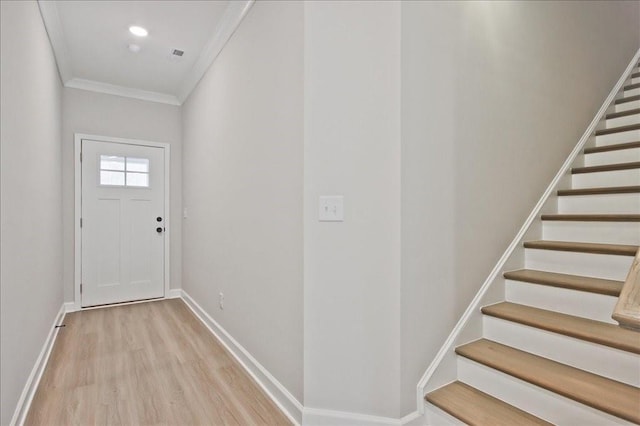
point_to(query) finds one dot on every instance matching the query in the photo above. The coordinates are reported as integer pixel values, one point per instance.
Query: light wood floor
(150, 363)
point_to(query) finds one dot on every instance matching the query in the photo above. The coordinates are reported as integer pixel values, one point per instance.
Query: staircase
(550, 353)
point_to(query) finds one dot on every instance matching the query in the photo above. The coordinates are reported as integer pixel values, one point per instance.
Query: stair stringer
(443, 368)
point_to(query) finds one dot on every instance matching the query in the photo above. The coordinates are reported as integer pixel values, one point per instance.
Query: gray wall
(116, 116)
(31, 222)
(495, 96)
(243, 189)
(352, 148)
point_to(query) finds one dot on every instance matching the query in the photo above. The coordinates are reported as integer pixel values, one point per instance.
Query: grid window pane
(138, 179)
(108, 177)
(138, 165)
(111, 162)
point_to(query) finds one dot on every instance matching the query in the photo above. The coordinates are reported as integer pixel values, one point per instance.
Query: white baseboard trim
(289, 405)
(36, 373)
(70, 307)
(474, 306)
(174, 293)
(321, 417)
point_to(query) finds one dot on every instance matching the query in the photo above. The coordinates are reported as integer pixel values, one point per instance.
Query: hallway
(145, 363)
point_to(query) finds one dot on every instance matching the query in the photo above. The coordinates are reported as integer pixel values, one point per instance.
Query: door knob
(158, 219)
(159, 230)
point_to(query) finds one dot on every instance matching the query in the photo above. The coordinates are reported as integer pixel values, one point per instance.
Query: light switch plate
(331, 208)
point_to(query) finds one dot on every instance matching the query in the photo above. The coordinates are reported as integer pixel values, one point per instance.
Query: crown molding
(229, 23)
(231, 19)
(127, 92)
(51, 19)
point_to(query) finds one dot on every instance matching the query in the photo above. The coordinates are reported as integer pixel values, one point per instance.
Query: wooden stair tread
(623, 113)
(635, 75)
(606, 167)
(610, 396)
(594, 248)
(477, 408)
(573, 282)
(619, 129)
(568, 325)
(628, 99)
(600, 191)
(632, 86)
(592, 217)
(614, 147)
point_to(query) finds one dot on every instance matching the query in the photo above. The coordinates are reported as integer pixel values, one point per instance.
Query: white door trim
(78, 137)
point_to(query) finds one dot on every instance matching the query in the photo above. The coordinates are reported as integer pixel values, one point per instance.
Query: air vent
(177, 52)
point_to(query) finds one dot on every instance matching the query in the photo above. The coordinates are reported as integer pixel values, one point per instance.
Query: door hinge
(80, 222)
(81, 156)
(80, 288)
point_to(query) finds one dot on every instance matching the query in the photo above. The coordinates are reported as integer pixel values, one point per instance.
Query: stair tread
(623, 113)
(614, 147)
(610, 396)
(628, 99)
(590, 330)
(632, 86)
(606, 167)
(595, 248)
(635, 75)
(477, 408)
(619, 129)
(592, 217)
(600, 191)
(573, 282)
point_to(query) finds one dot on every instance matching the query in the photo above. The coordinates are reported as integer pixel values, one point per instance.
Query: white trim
(174, 293)
(229, 23)
(289, 405)
(321, 417)
(474, 305)
(78, 137)
(127, 92)
(30, 387)
(51, 19)
(231, 19)
(411, 418)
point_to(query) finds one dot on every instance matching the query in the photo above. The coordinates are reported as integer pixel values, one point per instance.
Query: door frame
(78, 137)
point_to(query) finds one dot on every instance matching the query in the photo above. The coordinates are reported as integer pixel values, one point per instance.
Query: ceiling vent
(177, 52)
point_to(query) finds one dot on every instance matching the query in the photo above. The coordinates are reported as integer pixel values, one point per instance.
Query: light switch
(331, 208)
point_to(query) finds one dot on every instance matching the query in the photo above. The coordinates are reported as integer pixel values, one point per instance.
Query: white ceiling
(90, 40)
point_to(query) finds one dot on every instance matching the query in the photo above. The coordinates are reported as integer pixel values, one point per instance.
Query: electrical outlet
(221, 300)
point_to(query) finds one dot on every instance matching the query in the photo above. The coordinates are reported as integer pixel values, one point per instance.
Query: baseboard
(321, 417)
(174, 293)
(289, 405)
(36, 373)
(70, 307)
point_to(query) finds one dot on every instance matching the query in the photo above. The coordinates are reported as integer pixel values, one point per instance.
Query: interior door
(123, 222)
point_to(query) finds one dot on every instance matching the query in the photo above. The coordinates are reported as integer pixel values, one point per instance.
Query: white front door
(123, 222)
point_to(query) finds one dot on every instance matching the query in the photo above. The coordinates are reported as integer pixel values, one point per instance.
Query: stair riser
(606, 203)
(572, 302)
(620, 137)
(635, 80)
(612, 157)
(598, 359)
(537, 401)
(629, 177)
(592, 232)
(627, 106)
(612, 267)
(623, 121)
(631, 92)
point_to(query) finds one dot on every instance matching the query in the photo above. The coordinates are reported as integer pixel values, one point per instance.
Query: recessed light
(138, 31)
